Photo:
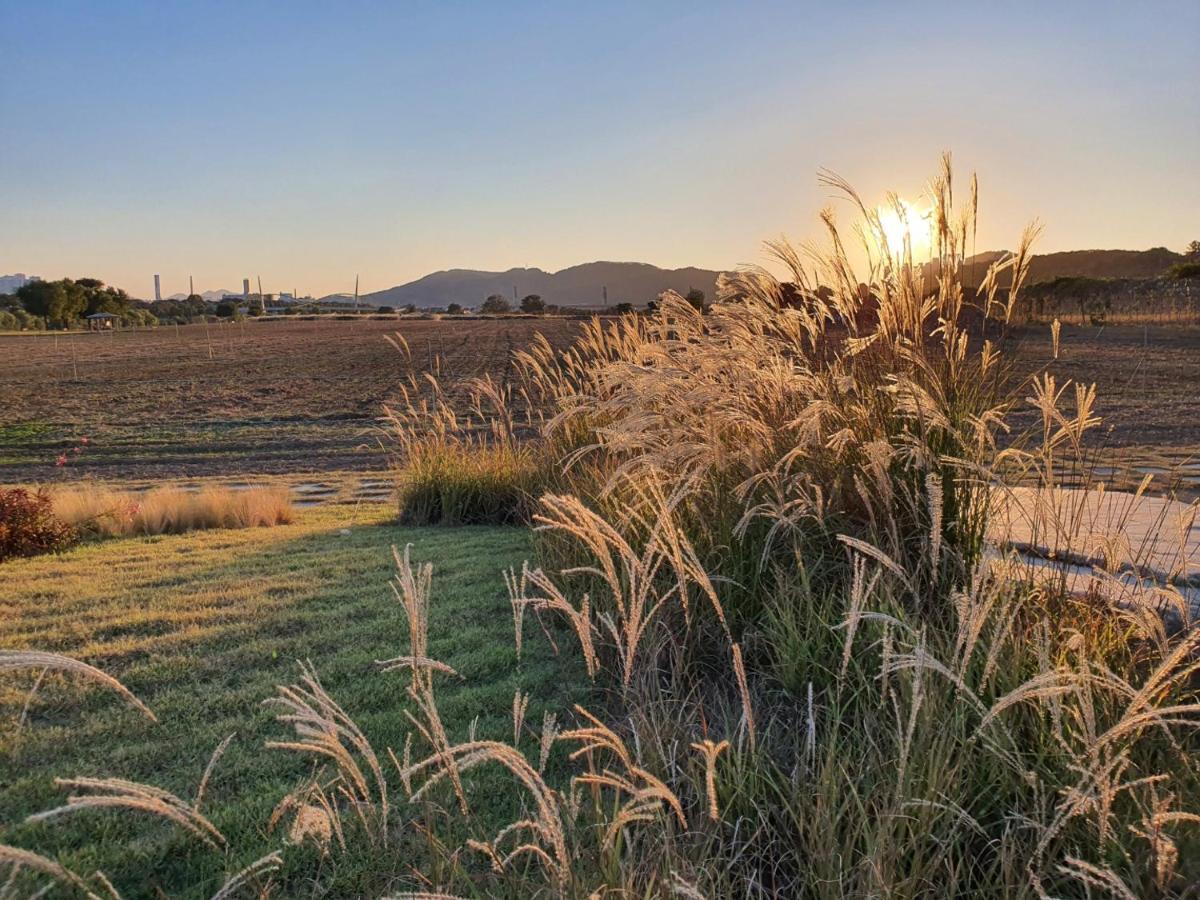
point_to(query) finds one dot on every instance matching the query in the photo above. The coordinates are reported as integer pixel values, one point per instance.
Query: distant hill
(582, 285)
(204, 295)
(1089, 264)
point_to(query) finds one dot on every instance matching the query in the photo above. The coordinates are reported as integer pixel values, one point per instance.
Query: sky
(307, 143)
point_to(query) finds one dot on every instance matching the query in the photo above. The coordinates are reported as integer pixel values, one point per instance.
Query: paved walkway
(1137, 550)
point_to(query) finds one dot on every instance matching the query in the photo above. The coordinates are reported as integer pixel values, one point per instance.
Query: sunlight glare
(901, 220)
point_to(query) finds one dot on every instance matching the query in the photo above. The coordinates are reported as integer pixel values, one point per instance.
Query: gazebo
(102, 321)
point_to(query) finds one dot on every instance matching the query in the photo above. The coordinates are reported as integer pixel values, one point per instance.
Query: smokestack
(245, 287)
(157, 289)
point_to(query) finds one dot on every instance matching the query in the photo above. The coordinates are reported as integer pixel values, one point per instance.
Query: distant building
(10, 284)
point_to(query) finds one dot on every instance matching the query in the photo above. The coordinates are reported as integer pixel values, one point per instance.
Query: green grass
(202, 627)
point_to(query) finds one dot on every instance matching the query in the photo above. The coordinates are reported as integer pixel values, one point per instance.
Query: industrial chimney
(157, 289)
(245, 287)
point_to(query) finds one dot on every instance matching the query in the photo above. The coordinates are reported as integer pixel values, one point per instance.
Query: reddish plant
(28, 525)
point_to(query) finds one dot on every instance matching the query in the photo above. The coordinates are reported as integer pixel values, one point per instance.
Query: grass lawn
(202, 627)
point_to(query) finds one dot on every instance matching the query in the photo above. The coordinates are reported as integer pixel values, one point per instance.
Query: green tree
(695, 298)
(495, 305)
(227, 309)
(454, 309)
(533, 303)
(102, 298)
(1193, 250)
(58, 302)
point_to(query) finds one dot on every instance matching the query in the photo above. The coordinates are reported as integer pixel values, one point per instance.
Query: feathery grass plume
(710, 752)
(18, 859)
(249, 876)
(647, 793)
(208, 770)
(13, 660)
(324, 730)
(520, 705)
(544, 831)
(550, 732)
(116, 793)
(536, 590)
(739, 671)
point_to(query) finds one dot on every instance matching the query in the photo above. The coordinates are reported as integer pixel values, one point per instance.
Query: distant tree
(1193, 250)
(454, 309)
(496, 304)
(193, 299)
(695, 299)
(58, 302)
(385, 310)
(1184, 270)
(623, 308)
(100, 298)
(227, 309)
(533, 303)
(408, 308)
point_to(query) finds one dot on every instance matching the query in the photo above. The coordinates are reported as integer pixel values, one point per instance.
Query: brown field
(254, 397)
(292, 397)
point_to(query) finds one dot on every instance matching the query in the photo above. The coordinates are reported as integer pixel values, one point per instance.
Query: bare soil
(288, 397)
(255, 397)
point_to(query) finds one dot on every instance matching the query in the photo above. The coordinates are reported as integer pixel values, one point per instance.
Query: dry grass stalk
(739, 671)
(116, 793)
(249, 876)
(710, 752)
(12, 660)
(323, 729)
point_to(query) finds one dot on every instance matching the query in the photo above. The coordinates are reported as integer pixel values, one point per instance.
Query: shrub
(1184, 270)
(28, 525)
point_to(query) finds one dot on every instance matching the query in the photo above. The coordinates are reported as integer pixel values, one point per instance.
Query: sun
(901, 221)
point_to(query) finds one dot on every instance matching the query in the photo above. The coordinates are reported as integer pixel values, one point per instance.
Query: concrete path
(1139, 551)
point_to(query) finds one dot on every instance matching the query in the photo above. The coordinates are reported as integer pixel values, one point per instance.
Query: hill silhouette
(1086, 264)
(582, 286)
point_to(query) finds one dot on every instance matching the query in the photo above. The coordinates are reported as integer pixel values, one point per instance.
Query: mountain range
(1088, 264)
(585, 285)
(628, 282)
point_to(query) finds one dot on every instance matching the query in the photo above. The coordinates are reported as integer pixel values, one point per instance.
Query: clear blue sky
(305, 142)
